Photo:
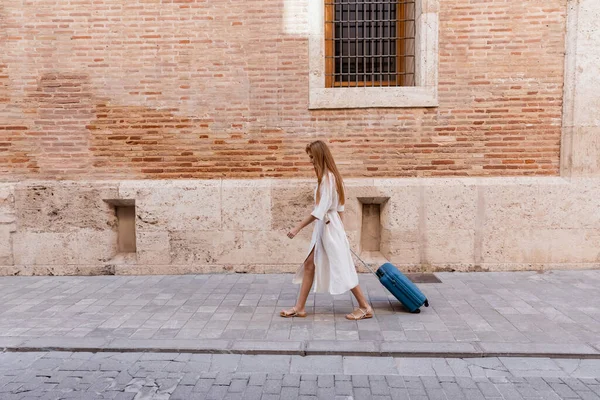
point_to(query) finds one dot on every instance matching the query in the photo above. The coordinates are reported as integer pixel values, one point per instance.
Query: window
(369, 43)
(373, 53)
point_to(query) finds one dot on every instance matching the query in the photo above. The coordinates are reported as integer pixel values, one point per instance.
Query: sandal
(360, 313)
(292, 313)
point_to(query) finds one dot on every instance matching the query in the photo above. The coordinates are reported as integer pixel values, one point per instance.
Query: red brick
(196, 89)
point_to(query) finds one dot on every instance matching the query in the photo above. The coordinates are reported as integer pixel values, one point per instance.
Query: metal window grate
(369, 43)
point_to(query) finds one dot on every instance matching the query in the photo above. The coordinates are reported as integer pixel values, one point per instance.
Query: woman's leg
(307, 281)
(360, 297)
(364, 310)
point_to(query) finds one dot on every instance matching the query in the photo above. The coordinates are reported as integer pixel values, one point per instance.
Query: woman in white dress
(329, 263)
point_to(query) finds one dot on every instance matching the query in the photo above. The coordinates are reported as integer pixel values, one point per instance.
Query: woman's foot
(360, 313)
(292, 312)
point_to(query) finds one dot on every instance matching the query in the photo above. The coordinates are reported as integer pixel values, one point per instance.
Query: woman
(329, 263)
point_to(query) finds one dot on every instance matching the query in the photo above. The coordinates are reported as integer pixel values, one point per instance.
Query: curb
(305, 348)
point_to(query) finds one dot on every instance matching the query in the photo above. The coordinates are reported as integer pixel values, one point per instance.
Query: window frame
(330, 54)
(423, 94)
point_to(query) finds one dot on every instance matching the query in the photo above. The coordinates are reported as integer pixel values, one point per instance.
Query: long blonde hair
(323, 161)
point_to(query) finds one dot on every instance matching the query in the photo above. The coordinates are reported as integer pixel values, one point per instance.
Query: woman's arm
(305, 222)
(320, 210)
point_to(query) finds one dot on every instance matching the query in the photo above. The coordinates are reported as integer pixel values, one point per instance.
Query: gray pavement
(553, 314)
(177, 376)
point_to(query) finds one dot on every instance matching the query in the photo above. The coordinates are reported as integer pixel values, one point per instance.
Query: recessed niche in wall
(125, 212)
(370, 232)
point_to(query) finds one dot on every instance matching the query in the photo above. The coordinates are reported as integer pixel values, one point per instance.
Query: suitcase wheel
(417, 311)
(426, 303)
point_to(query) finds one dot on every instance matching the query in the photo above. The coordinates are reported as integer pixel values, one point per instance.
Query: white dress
(334, 268)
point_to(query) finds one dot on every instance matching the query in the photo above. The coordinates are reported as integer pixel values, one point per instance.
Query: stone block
(153, 248)
(77, 247)
(450, 205)
(540, 246)
(64, 207)
(542, 203)
(175, 205)
(6, 249)
(586, 148)
(401, 246)
(206, 247)
(32, 248)
(291, 202)
(586, 97)
(512, 205)
(401, 211)
(271, 247)
(246, 205)
(450, 246)
(95, 247)
(7, 203)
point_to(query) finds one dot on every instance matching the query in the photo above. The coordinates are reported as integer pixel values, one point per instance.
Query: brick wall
(119, 89)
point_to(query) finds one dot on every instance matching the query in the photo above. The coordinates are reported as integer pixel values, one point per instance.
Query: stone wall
(580, 155)
(463, 224)
(103, 133)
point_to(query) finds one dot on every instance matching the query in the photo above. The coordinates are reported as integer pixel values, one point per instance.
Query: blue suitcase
(400, 286)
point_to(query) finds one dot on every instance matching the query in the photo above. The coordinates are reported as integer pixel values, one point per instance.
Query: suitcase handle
(364, 263)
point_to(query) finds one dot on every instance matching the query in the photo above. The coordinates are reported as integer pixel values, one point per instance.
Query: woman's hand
(293, 233)
(301, 226)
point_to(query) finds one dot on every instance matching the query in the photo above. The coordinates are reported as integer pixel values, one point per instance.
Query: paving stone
(225, 362)
(380, 388)
(430, 382)
(308, 388)
(400, 394)
(435, 394)
(317, 365)
(233, 396)
(326, 381)
(253, 393)
(181, 393)
(369, 366)
(238, 385)
(257, 379)
(291, 381)
(223, 379)
(360, 381)
(216, 393)
(362, 393)
(264, 363)
(203, 385)
(563, 390)
(343, 388)
(289, 393)
(473, 394)
(272, 386)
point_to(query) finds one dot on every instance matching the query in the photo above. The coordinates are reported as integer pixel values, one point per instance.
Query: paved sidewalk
(176, 376)
(554, 314)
